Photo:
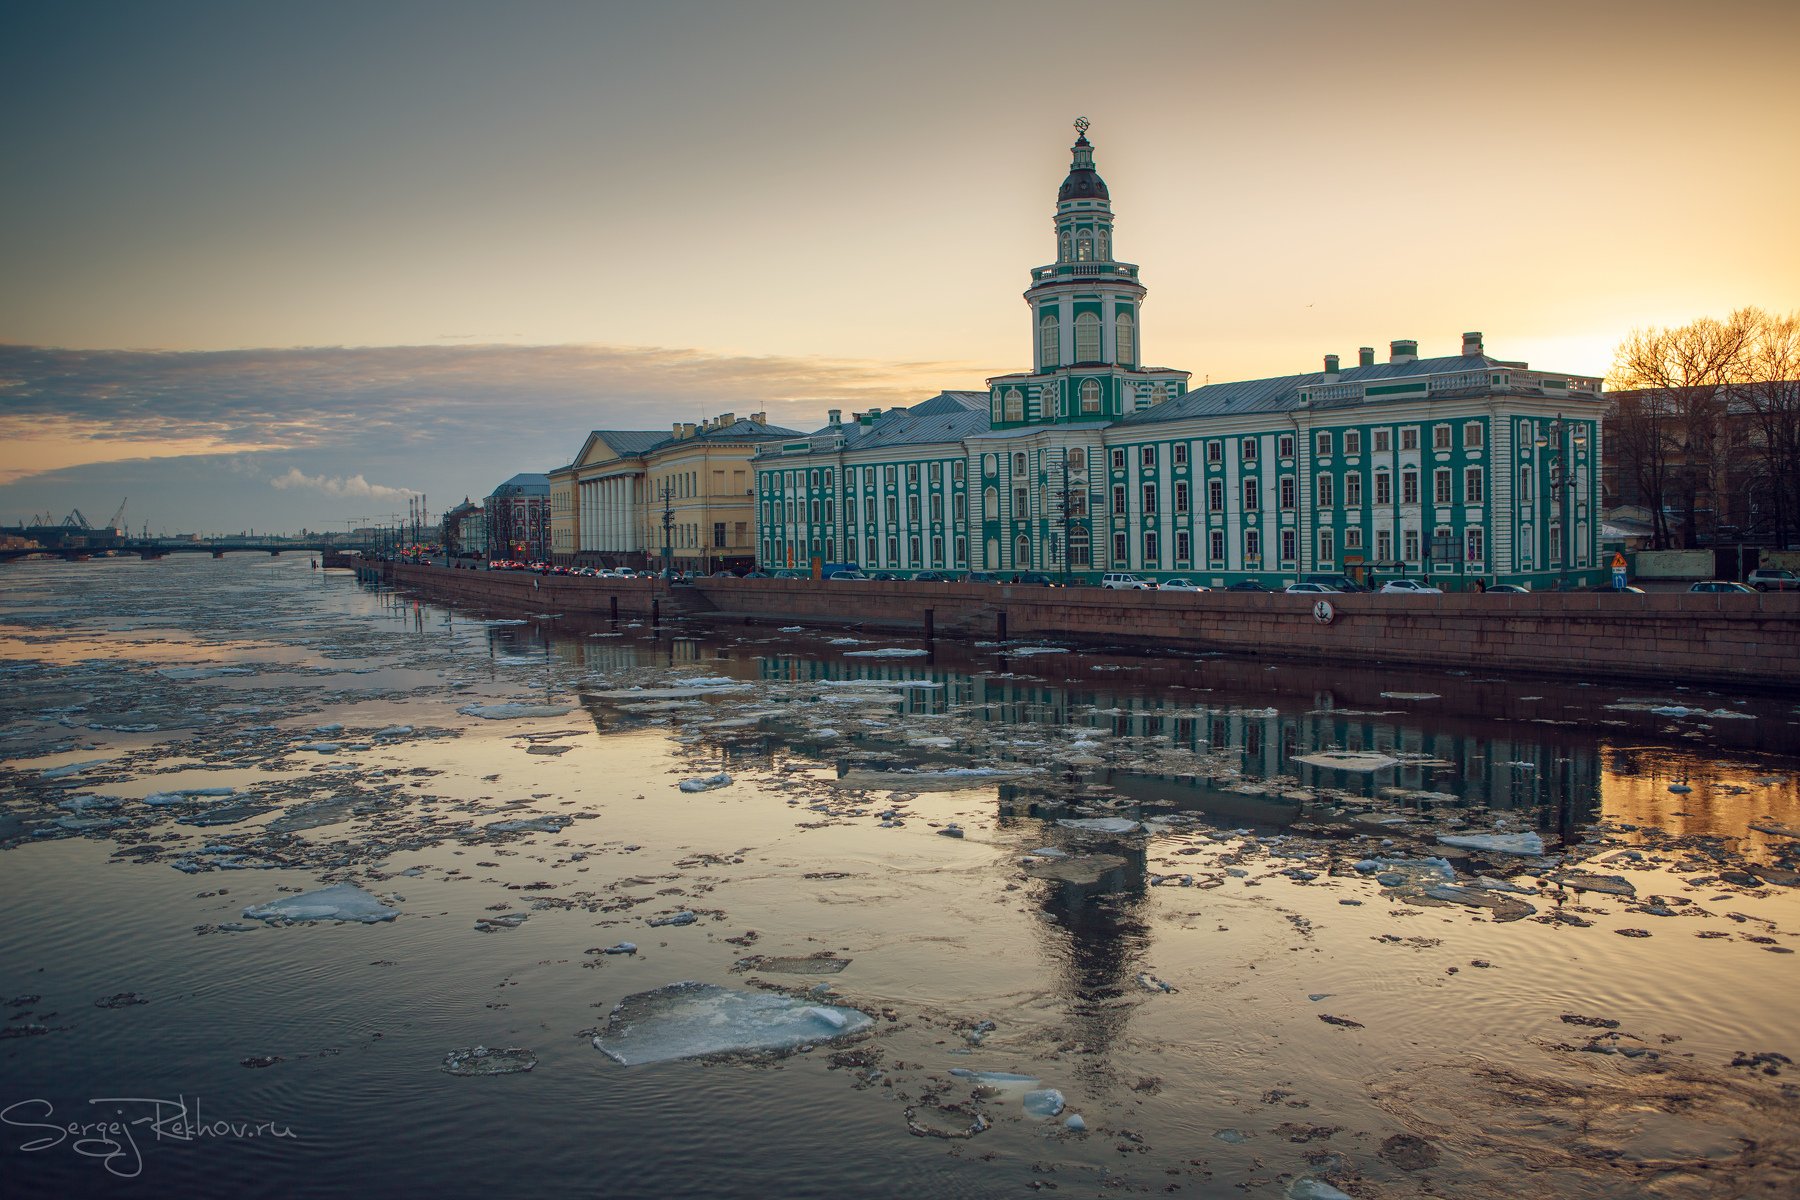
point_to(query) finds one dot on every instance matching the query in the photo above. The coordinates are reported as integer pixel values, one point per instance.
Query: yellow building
(630, 493)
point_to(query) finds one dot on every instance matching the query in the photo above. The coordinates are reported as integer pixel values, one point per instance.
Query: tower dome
(1083, 183)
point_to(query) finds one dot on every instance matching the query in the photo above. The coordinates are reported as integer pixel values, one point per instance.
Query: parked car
(1720, 585)
(1036, 579)
(1247, 585)
(847, 575)
(1125, 581)
(982, 577)
(1181, 584)
(757, 575)
(1774, 579)
(1409, 587)
(791, 573)
(928, 577)
(1312, 588)
(884, 577)
(1512, 589)
(1337, 583)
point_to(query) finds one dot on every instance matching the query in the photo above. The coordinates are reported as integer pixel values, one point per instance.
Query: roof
(1282, 392)
(525, 483)
(630, 441)
(946, 417)
(741, 430)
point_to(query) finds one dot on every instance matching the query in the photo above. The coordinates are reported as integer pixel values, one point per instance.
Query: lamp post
(668, 526)
(1562, 476)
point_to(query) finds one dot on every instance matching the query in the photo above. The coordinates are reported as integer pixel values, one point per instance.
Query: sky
(272, 266)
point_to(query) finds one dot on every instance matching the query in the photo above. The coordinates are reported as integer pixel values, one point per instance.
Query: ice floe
(706, 783)
(1348, 760)
(512, 709)
(340, 902)
(1529, 844)
(480, 1060)
(690, 1020)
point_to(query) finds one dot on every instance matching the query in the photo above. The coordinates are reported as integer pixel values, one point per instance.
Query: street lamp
(1562, 476)
(668, 525)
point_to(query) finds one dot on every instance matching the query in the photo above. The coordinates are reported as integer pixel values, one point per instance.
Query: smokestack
(1365, 356)
(1331, 368)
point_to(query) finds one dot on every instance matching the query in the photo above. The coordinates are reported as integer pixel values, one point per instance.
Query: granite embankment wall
(1680, 637)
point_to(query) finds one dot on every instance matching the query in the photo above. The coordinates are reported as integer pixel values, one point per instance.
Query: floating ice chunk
(74, 768)
(705, 784)
(391, 732)
(1410, 696)
(319, 747)
(791, 629)
(710, 681)
(1395, 872)
(340, 902)
(479, 1060)
(923, 684)
(1029, 651)
(684, 917)
(334, 727)
(1315, 1189)
(1043, 1103)
(185, 673)
(621, 948)
(1349, 760)
(1495, 843)
(533, 824)
(1075, 1124)
(886, 652)
(1775, 828)
(182, 795)
(950, 779)
(1102, 824)
(689, 692)
(1048, 852)
(512, 709)
(995, 1078)
(688, 1020)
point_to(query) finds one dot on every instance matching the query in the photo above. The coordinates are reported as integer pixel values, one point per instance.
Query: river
(1044, 919)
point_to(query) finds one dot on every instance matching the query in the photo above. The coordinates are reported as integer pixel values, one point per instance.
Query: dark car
(1510, 589)
(758, 575)
(982, 577)
(885, 577)
(1036, 579)
(929, 577)
(1247, 585)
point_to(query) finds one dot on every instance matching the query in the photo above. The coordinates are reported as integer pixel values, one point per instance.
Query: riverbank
(1682, 638)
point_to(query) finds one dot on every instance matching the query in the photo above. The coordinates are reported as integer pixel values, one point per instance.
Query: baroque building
(1455, 468)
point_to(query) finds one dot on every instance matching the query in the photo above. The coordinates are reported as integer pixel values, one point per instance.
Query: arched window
(1062, 253)
(1090, 395)
(1127, 334)
(1019, 467)
(1015, 405)
(990, 503)
(1049, 342)
(1103, 242)
(1087, 337)
(1084, 246)
(1077, 460)
(1158, 393)
(1022, 552)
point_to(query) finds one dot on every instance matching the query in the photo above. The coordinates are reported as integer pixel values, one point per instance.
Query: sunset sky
(272, 266)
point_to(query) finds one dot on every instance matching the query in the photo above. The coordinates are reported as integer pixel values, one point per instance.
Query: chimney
(1403, 351)
(1472, 344)
(687, 429)
(867, 418)
(761, 418)
(1365, 356)
(725, 419)
(835, 416)
(675, 432)
(1331, 368)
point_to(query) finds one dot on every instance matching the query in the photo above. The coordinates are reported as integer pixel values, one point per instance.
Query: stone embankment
(1682, 637)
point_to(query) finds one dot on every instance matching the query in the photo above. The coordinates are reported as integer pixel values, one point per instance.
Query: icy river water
(976, 922)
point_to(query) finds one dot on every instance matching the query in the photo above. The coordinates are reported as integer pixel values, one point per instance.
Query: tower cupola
(1083, 183)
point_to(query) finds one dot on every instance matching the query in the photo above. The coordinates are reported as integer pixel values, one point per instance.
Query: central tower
(1084, 319)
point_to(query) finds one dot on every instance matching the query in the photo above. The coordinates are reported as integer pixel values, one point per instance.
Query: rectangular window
(1215, 546)
(1472, 436)
(1215, 452)
(956, 472)
(1287, 546)
(1322, 485)
(962, 551)
(1151, 548)
(937, 475)
(937, 552)
(1440, 484)
(1180, 451)
(1149, 498)
(1322, 444)
(893, 510)
(1353, 490)
(1409, 438)
(1284, 446)
(912, 510)
(1118, 549)
(1252, 547)
(1409, 487)
(1384, 488)
(1249, 495)
(1118, 460)
(1352, 441)
(1473, 485)
(1118, 500)
(1249, 449)
(912, 474)
(1215, 495)
(1181, 498)
(1474, 546)
(1147, 458)
(1384, 546)
(912, 551)
(1410, 544)
(1021, 503)
(937, 509)
(1353, 538)
(718, 535)
(1183, 544)
(814, 508)
(888, 475)
(1327, 548)
(1440, 437)
(1384, 441)
(740, 533)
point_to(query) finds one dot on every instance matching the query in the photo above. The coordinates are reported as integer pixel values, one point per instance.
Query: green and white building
(1456, 468)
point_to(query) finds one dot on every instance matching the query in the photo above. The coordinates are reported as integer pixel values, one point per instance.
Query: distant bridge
(157, 548)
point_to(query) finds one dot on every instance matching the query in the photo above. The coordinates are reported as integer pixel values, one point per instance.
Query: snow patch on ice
(690, 1020)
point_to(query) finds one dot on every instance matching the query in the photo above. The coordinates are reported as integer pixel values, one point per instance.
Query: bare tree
(1679, 427)
(1768, 394)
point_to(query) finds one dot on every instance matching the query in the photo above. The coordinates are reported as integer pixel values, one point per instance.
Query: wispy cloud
(353, 487)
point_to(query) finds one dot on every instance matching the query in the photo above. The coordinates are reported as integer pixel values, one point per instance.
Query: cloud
(355, 486)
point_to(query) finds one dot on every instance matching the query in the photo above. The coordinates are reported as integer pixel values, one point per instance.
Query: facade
(465, 530)
(632, 494)
(518, 518)
(1459, 469)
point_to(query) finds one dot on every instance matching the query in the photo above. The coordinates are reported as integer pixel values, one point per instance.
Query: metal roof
(1282, 393)
(946, 417)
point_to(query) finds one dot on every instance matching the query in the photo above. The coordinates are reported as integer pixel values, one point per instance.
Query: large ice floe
(512, 710)
(1349, 760)
(690, 1020)
(340, 902)
(1529, 844)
